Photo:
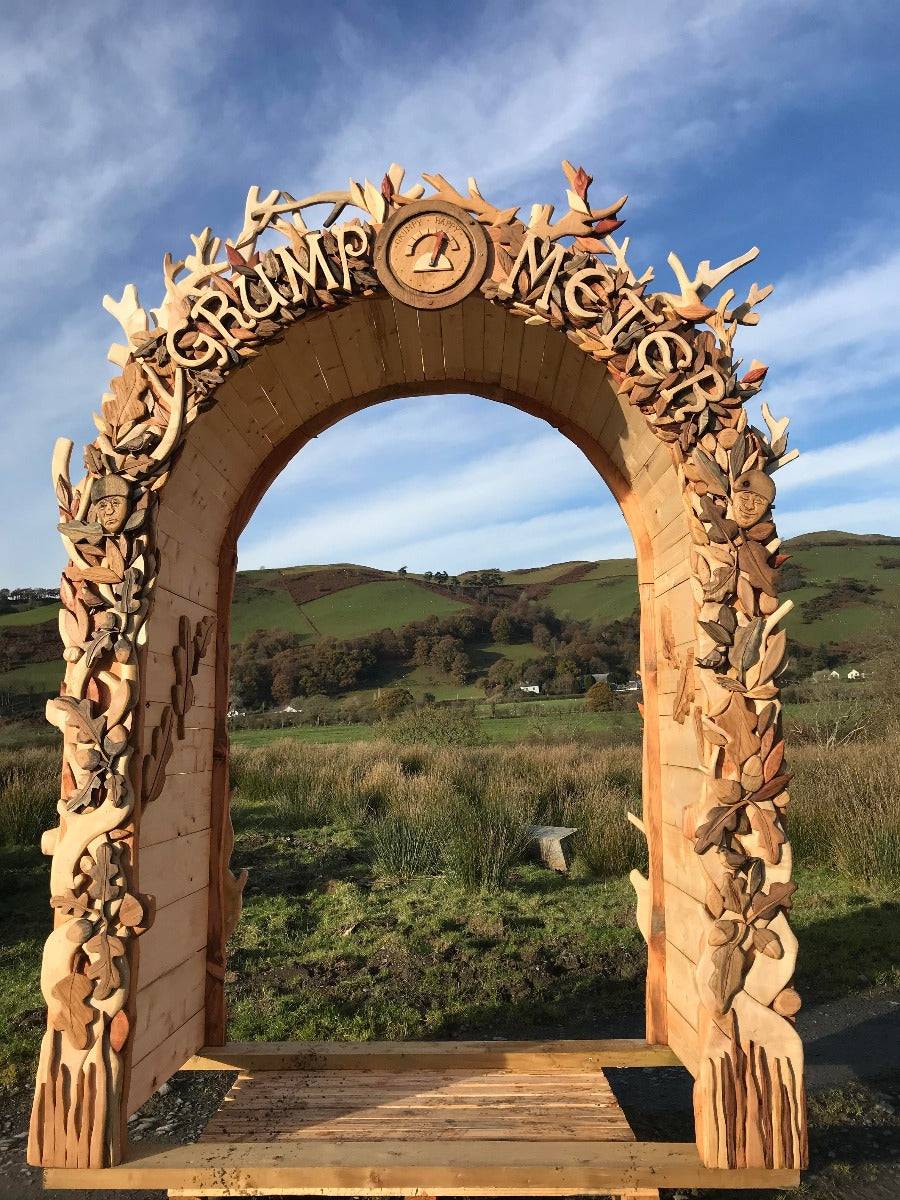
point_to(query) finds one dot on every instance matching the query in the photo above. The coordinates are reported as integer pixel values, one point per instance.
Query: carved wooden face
(752, 495)
(112, 513)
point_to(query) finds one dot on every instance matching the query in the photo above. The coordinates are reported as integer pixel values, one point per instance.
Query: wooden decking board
(404, 1057)
(454, 1168)
(419, 1106)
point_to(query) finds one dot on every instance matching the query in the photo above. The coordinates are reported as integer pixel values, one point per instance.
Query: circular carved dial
(431, 254)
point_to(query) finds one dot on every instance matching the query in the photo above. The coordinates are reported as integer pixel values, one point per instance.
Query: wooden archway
(251, 354)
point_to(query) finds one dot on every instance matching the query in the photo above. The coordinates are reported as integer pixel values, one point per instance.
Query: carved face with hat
(110, 502)
(751, 497)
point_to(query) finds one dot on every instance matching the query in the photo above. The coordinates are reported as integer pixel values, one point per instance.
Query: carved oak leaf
(737, 723)
(74, 1016)
(730, 966)
(720, 820)
(125, 407)
(104, 971)
(78, 713)
(69, 902)
(102, 871)
(766, 825)
(765, 906)
(157, 760)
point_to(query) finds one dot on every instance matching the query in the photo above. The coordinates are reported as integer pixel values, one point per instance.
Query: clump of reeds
(29, 791)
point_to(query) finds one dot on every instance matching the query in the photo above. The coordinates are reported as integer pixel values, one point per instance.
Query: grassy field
(600, 600)
(537, 722)
(30, 616)
(41, 678)
(271, 610)
(389, 896)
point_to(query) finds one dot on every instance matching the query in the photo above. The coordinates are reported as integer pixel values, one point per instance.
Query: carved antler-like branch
(581, 221)
(474, 202)
(689, 303)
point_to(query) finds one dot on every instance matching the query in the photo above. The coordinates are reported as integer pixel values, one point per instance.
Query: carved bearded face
(753, 493)
(111, 497)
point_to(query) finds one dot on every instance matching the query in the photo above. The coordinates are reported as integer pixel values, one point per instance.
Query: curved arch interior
(320, 372)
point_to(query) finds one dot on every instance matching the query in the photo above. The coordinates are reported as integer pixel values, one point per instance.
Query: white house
(530, 687)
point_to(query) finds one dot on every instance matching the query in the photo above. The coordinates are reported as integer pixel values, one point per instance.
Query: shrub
(600, 698)
(435, 725)
(392, 701)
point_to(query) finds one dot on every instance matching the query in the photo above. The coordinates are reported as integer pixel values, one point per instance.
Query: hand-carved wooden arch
(251, 353)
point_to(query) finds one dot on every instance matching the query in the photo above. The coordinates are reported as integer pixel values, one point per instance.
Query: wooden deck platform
(420, 1106)
(464, 1119)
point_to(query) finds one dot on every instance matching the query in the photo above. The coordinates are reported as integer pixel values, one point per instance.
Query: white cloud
(576, 533)
(104, 114)
(881, 514)
(509, 91)
(513, 483)
(870, 455)
(443, 427)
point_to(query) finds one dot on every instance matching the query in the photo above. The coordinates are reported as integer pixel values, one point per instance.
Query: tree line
(271, 668)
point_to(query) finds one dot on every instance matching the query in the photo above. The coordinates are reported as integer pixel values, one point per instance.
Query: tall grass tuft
(402, 847)
(29, 791)
(845, 809)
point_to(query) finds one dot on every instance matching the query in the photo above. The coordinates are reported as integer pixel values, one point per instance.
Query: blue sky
(125, 128)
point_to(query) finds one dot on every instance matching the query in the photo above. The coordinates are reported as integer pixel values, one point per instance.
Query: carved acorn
(752, 495)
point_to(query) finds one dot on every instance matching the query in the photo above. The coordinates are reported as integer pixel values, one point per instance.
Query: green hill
(845, 588)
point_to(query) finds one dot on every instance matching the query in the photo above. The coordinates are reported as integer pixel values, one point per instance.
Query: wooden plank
(175, 868)
(185, 575)
(678, 743)
(183, 808)
(286, 414)
(452, 338)
(495, 323)
(682, 785)
(534, 338)
(256, 401)
(358, 348)
(594, 399)
(389, 1167)
(407, 326)
(224, 447)
(681, 863)
(432, 344)
(683, 1035)
(295, 360)
(384, 323)
(285, 1105)
(473, 338)
(554, 347)
(233, 404)
(568, 380)
(323, 341)
(148, 1075)
(681, 983)
(167, 1003)
(414, 1056)
(161, 951)
(512, 349)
